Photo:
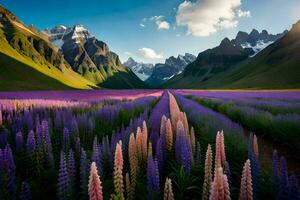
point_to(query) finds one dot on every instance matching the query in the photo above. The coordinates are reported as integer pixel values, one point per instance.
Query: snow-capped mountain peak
(80, 32)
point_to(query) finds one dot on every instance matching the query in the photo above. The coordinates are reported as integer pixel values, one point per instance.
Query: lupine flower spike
(118, 171)
(95, 188)
(133, 162)
(168, 191)
(246, 183)
(169, 135)
(207, 174)
(255, 145)
(220, 189)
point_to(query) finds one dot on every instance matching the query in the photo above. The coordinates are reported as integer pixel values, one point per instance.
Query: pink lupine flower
(246, 192)
(255, 145)
(193, 139)
(95, 188)
(220, 189)
(169, 136)
(168, 191)
(207, 174)
(133, 163)
(118, 171)
(139, 143)
(144, 141)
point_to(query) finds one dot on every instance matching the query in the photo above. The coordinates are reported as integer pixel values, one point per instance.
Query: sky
(152, 30)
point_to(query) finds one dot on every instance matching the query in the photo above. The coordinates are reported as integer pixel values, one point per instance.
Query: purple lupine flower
(28, 119)
(63, 179)
(255, 172)
(30, 143)
(47, 143)
(183, 152)
(97, 155)
(227, 172)
(283, 180)
(275, 172)
(83, 175)
(25, 193)
(3, 137)
(19, 141)
(294, 193)
(198, 154)
(152, 177)
(77, 147)
(186, 156)
(159, 155)
(74, 128)
(11, 171)
(72, 170)
(66, 139)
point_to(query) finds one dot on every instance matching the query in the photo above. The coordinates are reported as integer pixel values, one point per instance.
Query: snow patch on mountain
(260, 45)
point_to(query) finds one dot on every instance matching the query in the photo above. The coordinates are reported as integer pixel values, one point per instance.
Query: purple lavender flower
(64, 189)
(159, 155)
(10, 169)
(275, 172)
(66, 139)
(30, 143)
(77, 147)
(83, 175)
(25, 193)
(227, 172)
(283, 180)
(152, 177)
(19, 141)
(294, 193)
(97, 155)
(255, 172)
(47, 143)
(183, 152)
(72, 171)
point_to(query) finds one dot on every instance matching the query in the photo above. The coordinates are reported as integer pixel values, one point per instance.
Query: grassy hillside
(15, 75)
(276, 67)
(123, 80)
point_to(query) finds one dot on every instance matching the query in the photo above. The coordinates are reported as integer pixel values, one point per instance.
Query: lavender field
(149, 144)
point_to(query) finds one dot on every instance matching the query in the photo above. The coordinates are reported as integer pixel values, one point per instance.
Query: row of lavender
(279, 119)
(177, 159)
(136, 161)
(33, 137)
(283, 186)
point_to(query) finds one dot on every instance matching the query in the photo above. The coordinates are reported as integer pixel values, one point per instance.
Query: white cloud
(178, 35)
(204, 17)
(142, 25)
(156, 18)
(148, 53)
(161, 24)
(241, 13)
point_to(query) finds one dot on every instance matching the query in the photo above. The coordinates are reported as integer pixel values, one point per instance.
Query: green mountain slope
(276, 67)
(15, 75)
(92, 58)
(28, 48)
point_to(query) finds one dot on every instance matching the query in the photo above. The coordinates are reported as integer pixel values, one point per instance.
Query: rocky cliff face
(87, 55)
(164, 71)
(142, 70)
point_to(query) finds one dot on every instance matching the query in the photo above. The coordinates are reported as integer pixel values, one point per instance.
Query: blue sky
(152, 30)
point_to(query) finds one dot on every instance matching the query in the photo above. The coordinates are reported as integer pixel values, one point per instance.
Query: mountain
(275, 67)
(30, 61)
(164, 71)
(142, 70)
(92, 58)
(255, 40)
